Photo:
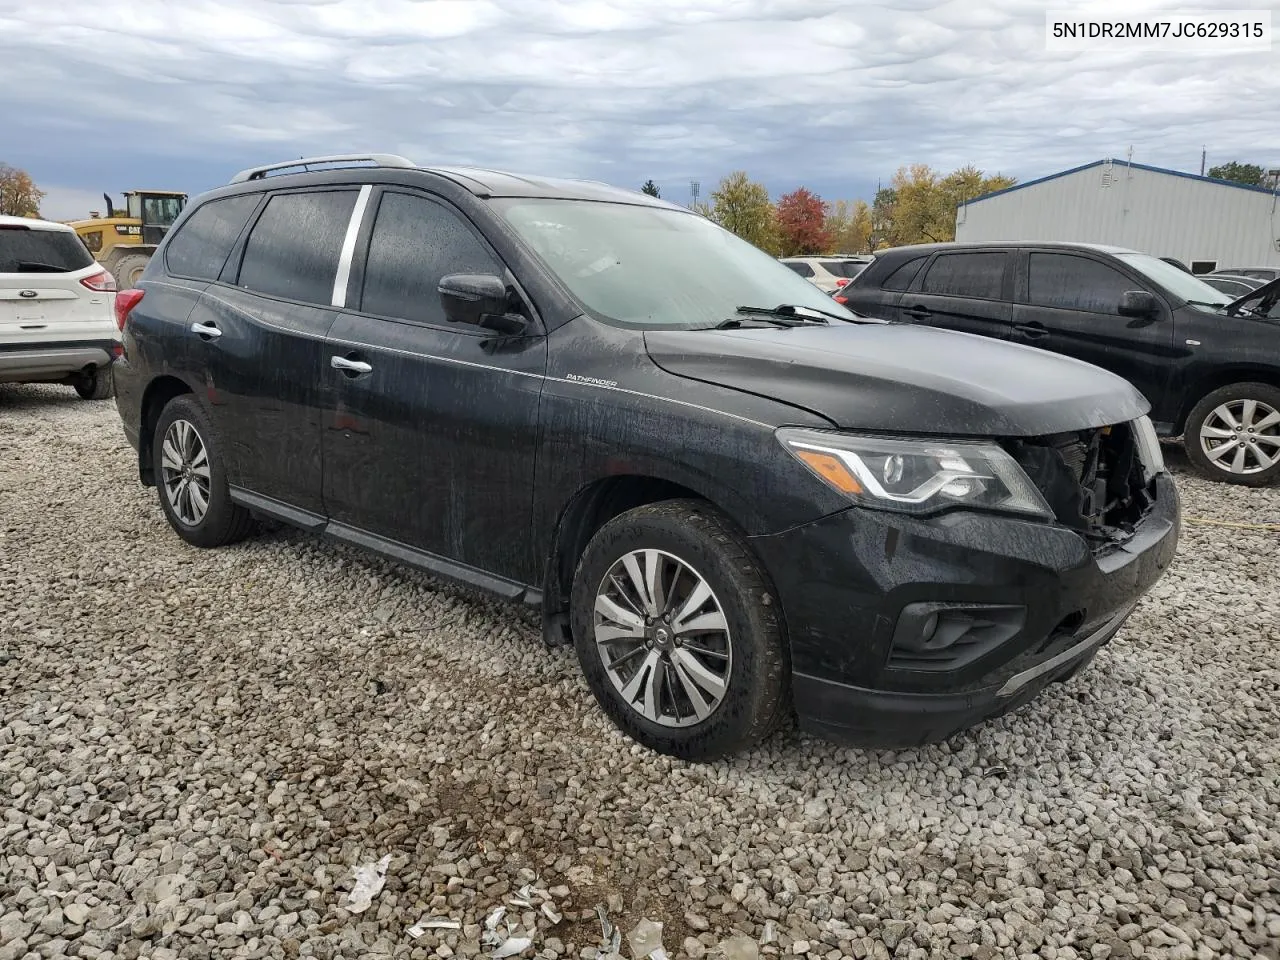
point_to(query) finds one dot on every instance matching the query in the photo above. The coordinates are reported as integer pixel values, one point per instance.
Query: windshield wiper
(35, 266)
(792, 311)
(780, 320)
(1206, 303)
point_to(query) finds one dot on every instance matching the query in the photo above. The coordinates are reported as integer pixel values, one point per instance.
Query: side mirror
(480, 299)
(1137, 303)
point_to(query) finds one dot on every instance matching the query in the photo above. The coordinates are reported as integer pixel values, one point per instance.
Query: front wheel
(1233, 434)
(678, 631)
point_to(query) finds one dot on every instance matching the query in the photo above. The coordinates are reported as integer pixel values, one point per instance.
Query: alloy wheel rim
(663, 638)
(1242, 436)
(184, 468)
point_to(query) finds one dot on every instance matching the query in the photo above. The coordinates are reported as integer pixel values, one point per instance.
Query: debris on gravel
(198, 749)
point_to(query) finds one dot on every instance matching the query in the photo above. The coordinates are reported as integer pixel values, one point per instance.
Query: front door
(259, 341)
(1070, 303)
(967, 291)
(431, 438)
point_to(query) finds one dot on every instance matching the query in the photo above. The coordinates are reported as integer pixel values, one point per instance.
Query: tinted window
(1075, 283)
(200, 247)
(293, 249)
(801, 268)
(979, 275)
(843, 268)
(415, 242)
(901, 278)
(23, 250)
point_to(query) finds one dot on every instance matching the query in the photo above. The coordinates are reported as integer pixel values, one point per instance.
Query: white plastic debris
(433, 923)
(550, 913)
(739, 948)
(646, 941)
(370, 879)
(770, 932)
(611, 937)
(512, 946)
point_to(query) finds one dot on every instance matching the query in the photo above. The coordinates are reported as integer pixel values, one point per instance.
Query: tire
(97, 385)
(221, 522)
(1255, 409)
(128, 269)
(749, 655)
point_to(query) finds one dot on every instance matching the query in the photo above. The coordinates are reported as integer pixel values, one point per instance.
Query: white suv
(57, 309)
(827, 273)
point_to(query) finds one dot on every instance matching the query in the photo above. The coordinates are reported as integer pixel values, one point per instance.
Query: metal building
(1207, 224)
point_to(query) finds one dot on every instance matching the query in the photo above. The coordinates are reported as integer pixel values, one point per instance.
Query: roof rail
(377, 159)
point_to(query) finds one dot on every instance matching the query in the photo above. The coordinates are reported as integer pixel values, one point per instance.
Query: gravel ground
(198, 748)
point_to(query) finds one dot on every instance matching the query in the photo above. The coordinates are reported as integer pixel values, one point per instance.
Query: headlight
(916, 476)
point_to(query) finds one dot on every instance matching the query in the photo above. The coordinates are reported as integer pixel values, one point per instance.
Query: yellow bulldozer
(124, 239)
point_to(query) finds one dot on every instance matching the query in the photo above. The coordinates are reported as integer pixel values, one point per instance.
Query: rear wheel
(678, 631)
(95, 386)
(1233, 434)
(128, 270)
(191, 478)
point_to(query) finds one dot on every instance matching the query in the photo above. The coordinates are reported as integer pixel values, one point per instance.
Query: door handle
(350, 367)
(206, 330)
(918, 313)
(1032, 331)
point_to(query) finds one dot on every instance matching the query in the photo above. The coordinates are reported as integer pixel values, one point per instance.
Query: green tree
(651, 189)
(922, 208)
(742, 207)
(849, 223)
(1249, 173)
(19, 196)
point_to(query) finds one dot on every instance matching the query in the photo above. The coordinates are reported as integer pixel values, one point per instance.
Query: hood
(1239, 303)
(904, 378)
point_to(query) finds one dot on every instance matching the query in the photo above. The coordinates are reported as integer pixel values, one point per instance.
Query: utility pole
(1203, 152)
(693, 193)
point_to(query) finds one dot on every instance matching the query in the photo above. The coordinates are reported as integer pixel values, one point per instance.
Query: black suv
(1211, 374)
(726, 490)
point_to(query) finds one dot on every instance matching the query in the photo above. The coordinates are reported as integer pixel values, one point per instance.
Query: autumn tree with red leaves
(801, 223)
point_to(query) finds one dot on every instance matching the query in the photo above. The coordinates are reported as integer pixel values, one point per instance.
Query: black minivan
(732, 495)
(1210, 371)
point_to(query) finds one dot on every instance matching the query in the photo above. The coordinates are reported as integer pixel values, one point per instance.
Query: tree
(1249, 173)
(849, 226)
(651, 189)
(921, 207)
(801, 223)
(19, 196)
(742, 207)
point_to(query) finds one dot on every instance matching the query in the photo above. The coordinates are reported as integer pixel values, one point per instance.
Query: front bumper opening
(938, 637)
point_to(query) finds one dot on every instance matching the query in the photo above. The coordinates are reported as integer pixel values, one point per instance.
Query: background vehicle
(56, 318)
(1232, 286)
(827, 273)
(1212, 377)
(124, 240)
(1264, 274)
(603, 404)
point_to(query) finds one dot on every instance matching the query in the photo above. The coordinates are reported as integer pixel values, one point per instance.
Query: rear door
(51, 289)
(430, 441)
(969, 291)
(1069, 303)
(876, 291)
(257, 341)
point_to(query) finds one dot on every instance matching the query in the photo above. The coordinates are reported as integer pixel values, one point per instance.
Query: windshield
(649, 267)
(1179, 283)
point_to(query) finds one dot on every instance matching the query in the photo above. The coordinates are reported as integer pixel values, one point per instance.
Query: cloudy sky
(833, 94)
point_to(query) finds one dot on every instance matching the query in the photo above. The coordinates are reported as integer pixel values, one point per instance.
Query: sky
(834, 95)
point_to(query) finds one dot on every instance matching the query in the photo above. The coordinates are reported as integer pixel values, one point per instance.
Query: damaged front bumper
(906, 631)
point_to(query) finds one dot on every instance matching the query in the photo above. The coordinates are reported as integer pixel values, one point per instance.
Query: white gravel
(198, 748)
